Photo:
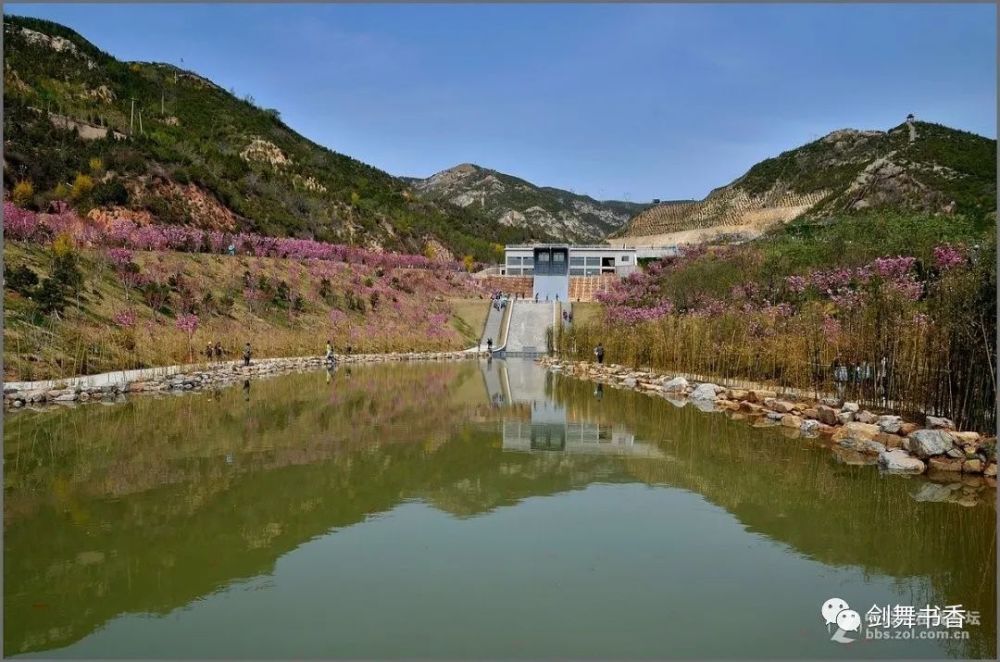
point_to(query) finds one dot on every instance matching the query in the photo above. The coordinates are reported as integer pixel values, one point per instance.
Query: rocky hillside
(155, 143)
(544, 213)
(914, 167)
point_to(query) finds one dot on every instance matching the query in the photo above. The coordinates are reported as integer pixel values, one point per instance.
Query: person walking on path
(599, 353)
(218, 351)
(247, 354)
(489, 346)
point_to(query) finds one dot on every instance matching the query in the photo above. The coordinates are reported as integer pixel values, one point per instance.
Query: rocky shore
(115, 386)
(857, 435)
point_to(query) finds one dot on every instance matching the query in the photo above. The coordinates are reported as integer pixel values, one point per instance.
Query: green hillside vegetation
(940, 171)
(969, 159)
(194, 142)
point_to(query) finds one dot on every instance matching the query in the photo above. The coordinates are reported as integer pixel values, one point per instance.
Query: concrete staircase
(492, 328)
(528, 323)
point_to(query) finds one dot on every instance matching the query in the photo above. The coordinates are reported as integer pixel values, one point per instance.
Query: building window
(576, 262)
(577, 271)
(513, 272)
(511, 259)
(558, 257)
(593, 261)
(543, 257)
(593, 272)
(529, 271)
(624, 259)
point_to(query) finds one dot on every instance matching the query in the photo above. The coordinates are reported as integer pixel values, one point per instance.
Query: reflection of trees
(134, 508)
(835, 514)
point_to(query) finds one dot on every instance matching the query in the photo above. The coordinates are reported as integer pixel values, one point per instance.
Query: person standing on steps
(599, 353)
(247, 354)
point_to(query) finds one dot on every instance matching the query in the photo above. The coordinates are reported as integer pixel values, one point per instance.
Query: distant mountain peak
(546, 213)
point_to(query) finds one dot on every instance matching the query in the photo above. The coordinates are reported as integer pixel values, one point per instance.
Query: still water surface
(461, 510)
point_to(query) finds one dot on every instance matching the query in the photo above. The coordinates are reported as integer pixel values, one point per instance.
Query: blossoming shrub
(921, 327)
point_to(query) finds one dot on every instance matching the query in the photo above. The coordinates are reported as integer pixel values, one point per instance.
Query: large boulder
(675, 385)
(704, 391)
(791, 421)
(939, 423)
(857, 431)
(781, 406)
(972, 466)
(865, 417)
(890, 424)
(826, 415)
(852, 407)
(900, 461)
(860, 437)
(810, 426)
(926, 443)
(760, 395)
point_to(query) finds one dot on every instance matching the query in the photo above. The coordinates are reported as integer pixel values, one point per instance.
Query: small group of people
(499, 300)
(853, 372)
(567, 316)
(213, 351)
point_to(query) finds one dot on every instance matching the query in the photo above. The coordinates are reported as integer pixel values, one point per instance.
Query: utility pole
(131, 118)
(140, 122)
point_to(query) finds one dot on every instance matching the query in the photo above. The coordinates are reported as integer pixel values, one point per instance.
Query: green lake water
(464, 510)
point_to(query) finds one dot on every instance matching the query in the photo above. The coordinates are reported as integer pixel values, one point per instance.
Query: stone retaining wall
(183, 378)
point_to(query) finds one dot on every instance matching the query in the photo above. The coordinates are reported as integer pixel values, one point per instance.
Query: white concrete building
(564, 259)
(552, 265)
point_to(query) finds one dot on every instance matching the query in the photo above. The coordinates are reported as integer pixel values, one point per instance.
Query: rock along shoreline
(114, 386)
(858, 436)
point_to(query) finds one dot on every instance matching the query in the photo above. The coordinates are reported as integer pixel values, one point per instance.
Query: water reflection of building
(520, 385)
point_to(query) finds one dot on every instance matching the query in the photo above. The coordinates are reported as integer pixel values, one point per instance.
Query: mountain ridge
(918, 167)
(546, 212)
(186, 151)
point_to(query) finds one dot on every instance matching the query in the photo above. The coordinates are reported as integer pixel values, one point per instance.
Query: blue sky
(616, 101)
